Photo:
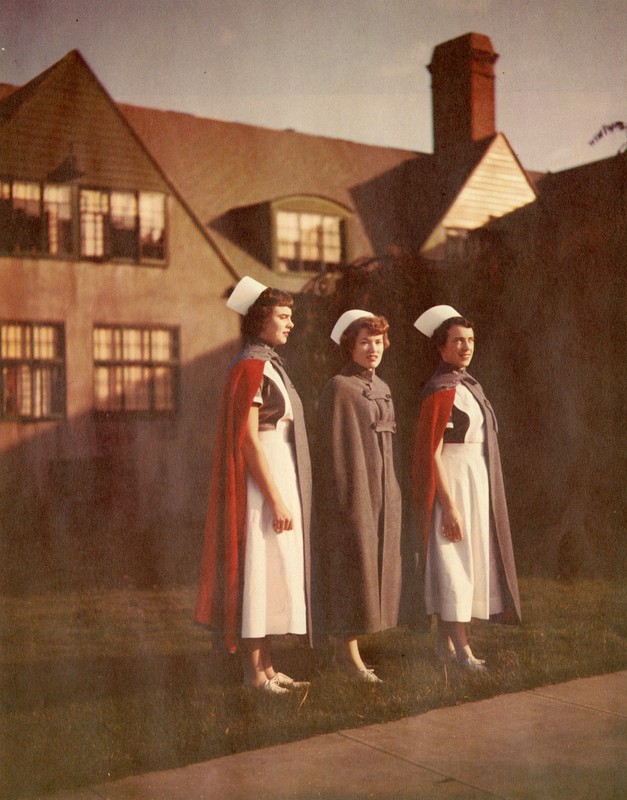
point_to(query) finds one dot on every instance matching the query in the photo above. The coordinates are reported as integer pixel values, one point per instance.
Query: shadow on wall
(130, 510)
(548, 316)
(547, 355)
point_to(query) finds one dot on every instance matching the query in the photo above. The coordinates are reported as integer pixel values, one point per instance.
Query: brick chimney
(462, 87)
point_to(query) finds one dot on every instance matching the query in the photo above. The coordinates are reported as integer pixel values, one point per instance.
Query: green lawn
(96, 686)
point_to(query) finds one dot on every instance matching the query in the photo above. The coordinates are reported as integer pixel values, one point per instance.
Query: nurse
(459, 494)
(359, 499)
(255, 566)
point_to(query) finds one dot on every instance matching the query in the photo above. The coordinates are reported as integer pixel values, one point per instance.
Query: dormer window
(309, 235)
(308, 242)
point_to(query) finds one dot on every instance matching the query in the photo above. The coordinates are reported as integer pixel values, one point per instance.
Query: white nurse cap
(433, 317)
(345, 320)
(244, 295)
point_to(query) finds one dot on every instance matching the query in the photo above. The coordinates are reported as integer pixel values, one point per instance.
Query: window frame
(36, 365)
(54, 236)
(308, 205)
(123, 365)
(17, 219)
(111, 232)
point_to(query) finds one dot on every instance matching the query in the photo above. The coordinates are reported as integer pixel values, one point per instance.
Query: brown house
(121, 230)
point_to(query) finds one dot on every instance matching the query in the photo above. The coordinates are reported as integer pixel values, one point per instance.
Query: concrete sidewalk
(566, 741)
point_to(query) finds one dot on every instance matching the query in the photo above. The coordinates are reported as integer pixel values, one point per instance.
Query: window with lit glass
(56, 220)
(57, 209)
(135, 368)
(127, 226)
(20, 217)
(32, 363)
(35, 219)
(308, 242)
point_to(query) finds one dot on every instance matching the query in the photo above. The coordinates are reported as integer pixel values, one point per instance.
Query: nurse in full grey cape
(359, 499)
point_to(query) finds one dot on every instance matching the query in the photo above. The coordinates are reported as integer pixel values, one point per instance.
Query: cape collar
(446, 376)
(261, 350)
(352, 369)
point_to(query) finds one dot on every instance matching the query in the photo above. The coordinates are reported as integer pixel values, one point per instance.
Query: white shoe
(353, 671)
(289, 683)
(471, 663)
(272, 686)
(368, 676)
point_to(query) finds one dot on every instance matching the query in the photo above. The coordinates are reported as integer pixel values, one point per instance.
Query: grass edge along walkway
(101, 685)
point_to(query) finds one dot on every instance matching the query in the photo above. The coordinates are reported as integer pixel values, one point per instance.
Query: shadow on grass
(86, 720)
(27, 687)
(71, 723)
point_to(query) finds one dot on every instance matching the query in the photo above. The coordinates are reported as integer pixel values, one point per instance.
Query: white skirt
(461, 579)
(274, 572)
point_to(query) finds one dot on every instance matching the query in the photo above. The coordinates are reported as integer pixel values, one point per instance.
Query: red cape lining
(219, 595)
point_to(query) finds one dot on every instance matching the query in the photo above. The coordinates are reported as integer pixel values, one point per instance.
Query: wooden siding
(497, 186)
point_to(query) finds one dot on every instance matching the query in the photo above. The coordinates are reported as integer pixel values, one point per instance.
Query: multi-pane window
(58, 219)
(20, 217)
(135, 368)
(35, 222)
(32, 360)
(94, 212)
(152, 225)
(40, 219)
(308, 241)
(124, 223)
(128, 226)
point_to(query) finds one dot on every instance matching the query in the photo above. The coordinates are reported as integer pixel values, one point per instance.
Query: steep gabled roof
(224, 165)
(221, 166)
(6, 89)
(63, 126)
(66, 113)
(493, 183)
(399, 196)
(63, 123)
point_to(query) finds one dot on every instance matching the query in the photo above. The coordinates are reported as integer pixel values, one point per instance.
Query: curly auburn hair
(376, 326)
(254, 319)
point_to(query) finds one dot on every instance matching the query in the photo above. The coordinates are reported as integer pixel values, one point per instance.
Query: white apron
(461, 579)
(274, 575)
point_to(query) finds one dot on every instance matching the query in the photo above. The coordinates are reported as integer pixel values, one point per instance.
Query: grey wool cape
(358, 504)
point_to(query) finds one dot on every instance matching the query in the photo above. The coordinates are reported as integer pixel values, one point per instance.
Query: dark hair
(376, 326)
(440, 334)
(254, 319)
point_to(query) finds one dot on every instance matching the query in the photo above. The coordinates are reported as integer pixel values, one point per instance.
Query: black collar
(353, 369)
